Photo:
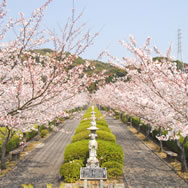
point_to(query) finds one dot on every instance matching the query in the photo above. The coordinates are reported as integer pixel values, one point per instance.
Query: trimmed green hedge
(114, 172)
(30, 135)
(77, 150)
(98, 122)
(101, 135)
(108, 151)
(83, 128)
(43, 133)
(13, 143)
(112, 164)
(71, 171)
(170, 144)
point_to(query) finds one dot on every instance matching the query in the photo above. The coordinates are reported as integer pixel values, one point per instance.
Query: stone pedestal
(92, 171)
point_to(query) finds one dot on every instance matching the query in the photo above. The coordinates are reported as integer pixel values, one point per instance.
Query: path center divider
(109, 153)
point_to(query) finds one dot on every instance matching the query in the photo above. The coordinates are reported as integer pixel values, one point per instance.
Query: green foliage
(81, 136)
(112, 164)
(124, 118)
(84, 127)
(30, 134)
(114, 173)
(135, 121)
(27, 186)
(43, 133)
(76, 109)
(101, 135)
(42, 127)
(109, 151)
(77, 150)
(101, 122)
(49, 186)
(43, 51)
(31, 186)
(12, 143)
(71, 171)
(170, 144)
(178, 63)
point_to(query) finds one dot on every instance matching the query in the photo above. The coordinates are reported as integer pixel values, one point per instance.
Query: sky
(117, 19)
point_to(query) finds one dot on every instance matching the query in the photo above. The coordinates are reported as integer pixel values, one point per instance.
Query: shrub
(112, 164)
(13, 143)
(101, 135)
(170, 144)
(43, 133)
(71, 171)
(42, 127)
(109, 151)
(30, 134)
(50, 128)
(114, 173)
(98, 122)
(83, 128)
(77, 150)
(124, 118)
(101, 122)
(135, 121)
(81, 136)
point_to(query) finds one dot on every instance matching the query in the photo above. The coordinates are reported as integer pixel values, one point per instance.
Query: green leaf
(24, 186)
(27, 186)
(49, 186)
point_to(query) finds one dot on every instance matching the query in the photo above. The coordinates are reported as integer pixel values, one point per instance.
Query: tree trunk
(127, 119)
(139, 125)
(182, 155)
(148, 131)
(161, 145)
(3, 149)
(121, 116)
(131, 120)
(160, 141)
(38, 132)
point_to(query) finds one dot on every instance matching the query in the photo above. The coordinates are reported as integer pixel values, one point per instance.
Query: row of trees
(36, 88)
(155, 91)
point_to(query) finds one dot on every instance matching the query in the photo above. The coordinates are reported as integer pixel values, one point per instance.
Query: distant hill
(111, 73)
(179, 64)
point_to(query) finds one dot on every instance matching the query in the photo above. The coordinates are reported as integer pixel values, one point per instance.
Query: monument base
(90, 173)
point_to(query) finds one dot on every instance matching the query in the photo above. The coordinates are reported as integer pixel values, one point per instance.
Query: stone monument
(92, 171)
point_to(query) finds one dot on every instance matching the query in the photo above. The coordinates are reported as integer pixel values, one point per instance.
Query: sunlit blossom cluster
(156, 91)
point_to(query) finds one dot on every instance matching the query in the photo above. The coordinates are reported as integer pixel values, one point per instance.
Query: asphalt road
(142, 167)
(42, 165)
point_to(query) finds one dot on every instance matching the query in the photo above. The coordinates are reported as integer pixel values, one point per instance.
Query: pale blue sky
(159, 19)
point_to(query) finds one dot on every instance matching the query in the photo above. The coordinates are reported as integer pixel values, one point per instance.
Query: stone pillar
(92, 161)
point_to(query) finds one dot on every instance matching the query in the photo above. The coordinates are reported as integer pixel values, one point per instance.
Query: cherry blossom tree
(34, 87)
(156, 92)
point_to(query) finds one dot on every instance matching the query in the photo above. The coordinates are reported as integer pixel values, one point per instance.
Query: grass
(176, 165)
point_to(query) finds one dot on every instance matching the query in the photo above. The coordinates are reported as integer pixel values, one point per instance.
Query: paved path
(143, 168)
(42, 165)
